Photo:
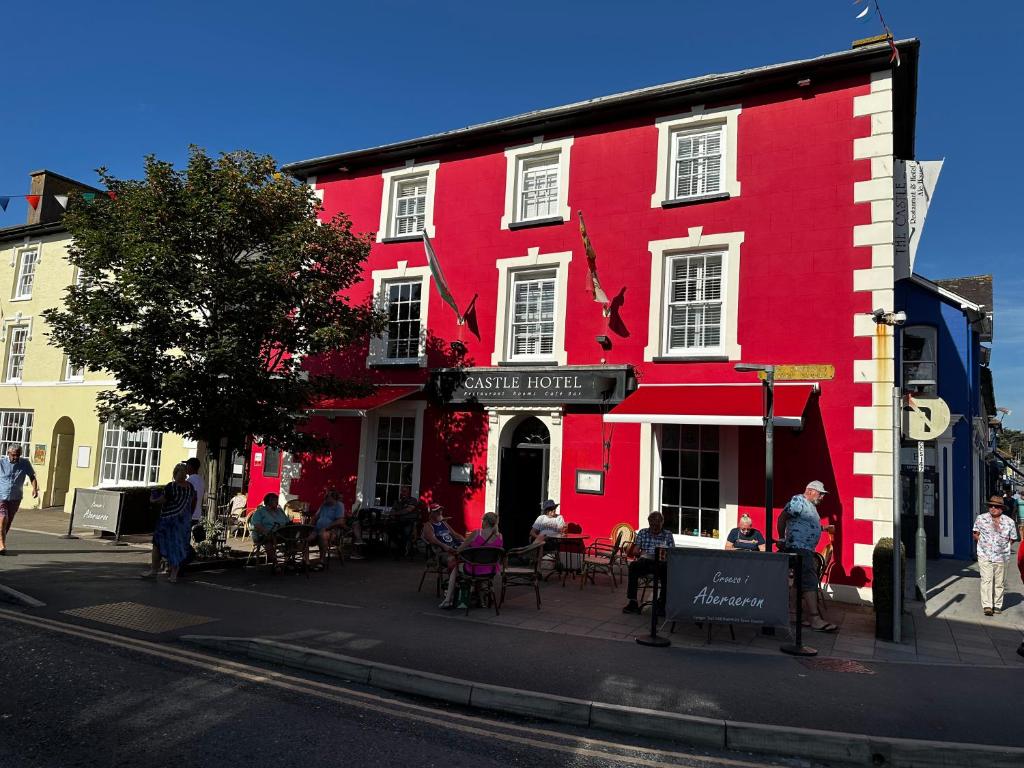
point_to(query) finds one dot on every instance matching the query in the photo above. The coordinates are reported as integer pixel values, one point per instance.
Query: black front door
(521, 480)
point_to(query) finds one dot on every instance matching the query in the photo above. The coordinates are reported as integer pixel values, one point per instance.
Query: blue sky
(106, 83)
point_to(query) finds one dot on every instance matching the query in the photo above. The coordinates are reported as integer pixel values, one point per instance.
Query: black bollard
(654, 639)
(798, 648)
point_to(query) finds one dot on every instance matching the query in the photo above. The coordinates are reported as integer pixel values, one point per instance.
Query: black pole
(71, 522)
(769, 456)
(120, 513)
(654, 639)
(798, 648)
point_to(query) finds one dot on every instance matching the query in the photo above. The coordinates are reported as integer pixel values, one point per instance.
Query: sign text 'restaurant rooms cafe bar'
(745, 217)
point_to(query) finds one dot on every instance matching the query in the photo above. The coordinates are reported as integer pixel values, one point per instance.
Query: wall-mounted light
(604, 341)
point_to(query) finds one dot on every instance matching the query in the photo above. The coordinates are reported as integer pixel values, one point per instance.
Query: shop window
(15, 429)
(271, 462)
(28, 259)
(394, 458)
(131, 457)
(17, 344)
(920, 360)
(693, 298)
(690, 485)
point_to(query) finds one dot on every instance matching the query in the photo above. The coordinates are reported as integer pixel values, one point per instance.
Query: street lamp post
(768, 385)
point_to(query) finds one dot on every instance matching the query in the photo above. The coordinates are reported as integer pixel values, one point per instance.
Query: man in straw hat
(994, 534)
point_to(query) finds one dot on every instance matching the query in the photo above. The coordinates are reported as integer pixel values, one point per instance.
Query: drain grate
(142, 618)
(837, 665)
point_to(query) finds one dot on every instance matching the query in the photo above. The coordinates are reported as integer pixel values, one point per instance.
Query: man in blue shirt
(13, 471)
(803, 530)
(645, 549)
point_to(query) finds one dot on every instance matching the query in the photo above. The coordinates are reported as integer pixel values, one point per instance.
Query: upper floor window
(15, 429)
(532, 330)
(73, 372)
(537, 183)
(131, 457)
(694, 297)
(17, 343)
(693, 289)
(920, 359)
(697, 162)
(697, 156)
(271, 462)
(27, 261)
(407, 208)
(402, 294)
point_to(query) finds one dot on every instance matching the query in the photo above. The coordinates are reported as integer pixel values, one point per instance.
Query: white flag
(914, 184)
(62, 199)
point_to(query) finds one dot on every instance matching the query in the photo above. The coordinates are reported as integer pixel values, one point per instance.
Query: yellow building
(46, 405)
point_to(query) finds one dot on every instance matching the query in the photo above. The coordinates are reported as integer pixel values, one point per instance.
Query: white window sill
(540, 222)
(703, 355)
(528, 361)
(699, 542)
(396, 362)
(403, 238)
(694, 199)
(22, 298)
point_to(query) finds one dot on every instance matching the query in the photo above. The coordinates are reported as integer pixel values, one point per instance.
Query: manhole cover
(837, 665)
(142, 618)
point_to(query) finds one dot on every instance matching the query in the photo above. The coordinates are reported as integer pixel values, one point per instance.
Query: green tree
(1011, 442)
(201, 289)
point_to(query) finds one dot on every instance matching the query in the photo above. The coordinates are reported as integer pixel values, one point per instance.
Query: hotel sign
(596, 385)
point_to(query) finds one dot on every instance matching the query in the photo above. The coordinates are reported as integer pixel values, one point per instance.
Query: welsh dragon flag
(439, 280)
(599, 295)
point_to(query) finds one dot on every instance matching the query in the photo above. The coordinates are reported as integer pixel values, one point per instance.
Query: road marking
(140, 617)
(92, 539)
(468, 724)
(256, 592)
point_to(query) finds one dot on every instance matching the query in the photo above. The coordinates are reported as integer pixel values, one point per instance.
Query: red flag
(33, 200)
(595, 285)
(112, 195)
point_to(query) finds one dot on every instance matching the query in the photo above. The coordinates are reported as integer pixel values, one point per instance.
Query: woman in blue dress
(170, 539)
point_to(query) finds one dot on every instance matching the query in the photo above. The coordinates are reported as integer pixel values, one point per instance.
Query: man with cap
(14, 470)
(803, 530)
(994, 533)
(550, 522)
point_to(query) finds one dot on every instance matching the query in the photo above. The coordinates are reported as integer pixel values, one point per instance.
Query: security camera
(882, 317)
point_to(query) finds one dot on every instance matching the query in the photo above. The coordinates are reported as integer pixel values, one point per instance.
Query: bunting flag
(595, 284)
(88, 196)
(62, 201)
(112, 195)
(865, 16)
(33, 200)
(4, 201)
(439, 281)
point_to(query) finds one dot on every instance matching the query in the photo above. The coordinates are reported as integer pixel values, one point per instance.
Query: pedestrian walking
(995, 533)
(13, 471)
(170, 539)
(197, 482)
(803, 529)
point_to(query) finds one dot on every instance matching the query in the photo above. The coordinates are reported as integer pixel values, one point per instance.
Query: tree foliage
(201, 288)
(1011, 442)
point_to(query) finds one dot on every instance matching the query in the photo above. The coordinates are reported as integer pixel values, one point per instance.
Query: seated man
(550, 522)
(644, 549)
(265, 523)
(329, 523)
(745, 537)
(236, 511)
(439, 534)
(406, 514)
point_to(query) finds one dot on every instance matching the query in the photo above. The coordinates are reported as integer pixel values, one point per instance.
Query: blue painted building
(942, 352)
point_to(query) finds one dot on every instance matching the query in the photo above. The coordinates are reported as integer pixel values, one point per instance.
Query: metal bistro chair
(482, 584)
(824, 561)
(436, 566)
(521, 568)
(600, 559)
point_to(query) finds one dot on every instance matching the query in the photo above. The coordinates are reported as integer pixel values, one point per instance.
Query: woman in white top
(550, 523)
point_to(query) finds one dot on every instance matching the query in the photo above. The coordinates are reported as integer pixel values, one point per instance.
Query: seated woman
(486, 536)
(438, 533)
(329, 522)
(745, 537)
(550, 522)
(265, 522)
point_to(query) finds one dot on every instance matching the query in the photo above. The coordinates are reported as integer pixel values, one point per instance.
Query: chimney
(47, 184)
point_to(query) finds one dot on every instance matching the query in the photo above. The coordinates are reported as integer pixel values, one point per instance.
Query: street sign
(802, 373)
(924, 417)
(920, 456)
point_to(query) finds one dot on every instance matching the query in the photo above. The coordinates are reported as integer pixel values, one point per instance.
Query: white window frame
(516, 159)
(153, 446)
(70, 374)
(674, 162)
(531, 276)
(13, 333)
(697, 119)
(667, 303)
(392, 178)
(534, 261)
(19, 276)
(381, 279)
(26, 417)
(367, 480)
(726, 243)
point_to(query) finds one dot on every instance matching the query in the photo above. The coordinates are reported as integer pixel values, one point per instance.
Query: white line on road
(468, 724)
(256, 592)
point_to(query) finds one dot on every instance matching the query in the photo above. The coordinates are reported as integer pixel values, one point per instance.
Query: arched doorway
(523, 479)
(59, 476)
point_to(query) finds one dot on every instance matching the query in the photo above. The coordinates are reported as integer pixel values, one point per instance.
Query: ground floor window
(394, 457)
(689, 480)
(16, 429)
(131, 457)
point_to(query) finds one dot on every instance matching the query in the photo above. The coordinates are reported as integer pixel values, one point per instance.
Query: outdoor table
(374, 521)
(295, 539)
(570, 550)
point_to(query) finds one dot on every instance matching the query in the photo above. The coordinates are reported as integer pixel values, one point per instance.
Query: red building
(745, 217)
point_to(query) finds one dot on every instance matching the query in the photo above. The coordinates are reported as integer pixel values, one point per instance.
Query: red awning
(725, 404)
(359, 406)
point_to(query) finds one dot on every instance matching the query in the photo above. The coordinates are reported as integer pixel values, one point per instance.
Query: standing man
(196, 481)
(645, 549)
(1012, 506)
(13, 471)
(803, 530)
(994, 533)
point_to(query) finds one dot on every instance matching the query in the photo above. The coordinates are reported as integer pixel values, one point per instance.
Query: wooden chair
(482, 584)
(437, 565)
(600, 559)
(521, 568)
(824, 561)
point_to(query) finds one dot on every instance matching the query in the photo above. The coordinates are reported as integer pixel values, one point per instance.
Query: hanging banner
(913, 186)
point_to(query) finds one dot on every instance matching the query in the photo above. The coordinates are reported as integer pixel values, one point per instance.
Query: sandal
(148, 575)
(828, 628)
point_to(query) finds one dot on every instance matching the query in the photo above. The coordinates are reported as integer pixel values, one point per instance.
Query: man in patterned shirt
(645, 549)
(994, 533)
